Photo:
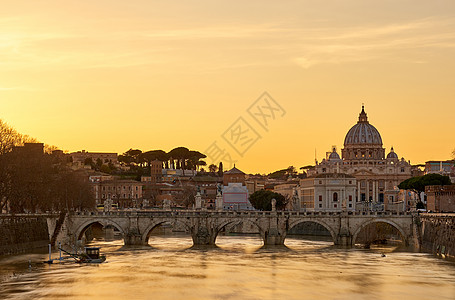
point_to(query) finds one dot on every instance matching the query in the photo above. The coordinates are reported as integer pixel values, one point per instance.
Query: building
(234, 175)
(235, 192)
(364, 157)
(79, 158)
(329, 192)
(29, 149)
(289, 190)
(156, 170)
(440, 167)
(445, 168)
(254, 185)
(440, 198)
(125, 193)
(208, 187)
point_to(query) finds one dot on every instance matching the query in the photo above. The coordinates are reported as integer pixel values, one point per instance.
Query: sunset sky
(106, 76)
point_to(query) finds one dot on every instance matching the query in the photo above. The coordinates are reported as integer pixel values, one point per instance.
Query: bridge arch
(104, 222)
(148, 230)
(332, 232)
(380, 220)
(236, 222)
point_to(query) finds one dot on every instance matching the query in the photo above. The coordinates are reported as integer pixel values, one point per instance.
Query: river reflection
(239, 267)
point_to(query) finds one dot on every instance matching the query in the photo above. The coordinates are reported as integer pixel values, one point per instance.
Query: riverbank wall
(438, 234)
(20, 233)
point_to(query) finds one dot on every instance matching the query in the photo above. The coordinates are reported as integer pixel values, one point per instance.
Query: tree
(130, 156)
(180, 154)
(33, 181)
(418, 184)
(213, 168)
(262, 200)
(9, 138)
(220, 169)
(284, 173)
(195, 161)
(149, 156)
(89, 162)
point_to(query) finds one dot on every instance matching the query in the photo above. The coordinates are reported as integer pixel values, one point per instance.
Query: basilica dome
(334, 156)
(363, 133)
(392, 154)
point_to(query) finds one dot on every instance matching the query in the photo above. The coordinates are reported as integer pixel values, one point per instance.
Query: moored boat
(91, 255)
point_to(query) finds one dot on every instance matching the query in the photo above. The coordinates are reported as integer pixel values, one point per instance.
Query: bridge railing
(238, 213)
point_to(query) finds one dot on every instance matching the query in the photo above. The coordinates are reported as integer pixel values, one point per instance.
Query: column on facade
(374, 190)
(368, 190)
(343, 196)
(358, 191)
(327, 196)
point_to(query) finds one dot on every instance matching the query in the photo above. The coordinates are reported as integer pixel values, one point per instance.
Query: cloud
(219, 47)
(386, 42)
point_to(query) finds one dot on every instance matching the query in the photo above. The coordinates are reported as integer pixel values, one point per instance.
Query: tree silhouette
(418, 184)
(213, 168)
(220, 169)
(262, 200)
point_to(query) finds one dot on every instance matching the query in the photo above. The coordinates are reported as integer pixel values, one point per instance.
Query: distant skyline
(106, 76)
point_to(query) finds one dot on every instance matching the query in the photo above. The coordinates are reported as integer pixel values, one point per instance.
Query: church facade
(364, 157)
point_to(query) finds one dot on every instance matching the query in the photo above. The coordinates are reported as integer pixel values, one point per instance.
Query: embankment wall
(438, 234)
(22, 233)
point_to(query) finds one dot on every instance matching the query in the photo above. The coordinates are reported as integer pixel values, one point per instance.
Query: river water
(238, 268)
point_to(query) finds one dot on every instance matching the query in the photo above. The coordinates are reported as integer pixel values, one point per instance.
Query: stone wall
(22, 233)
(438, 234)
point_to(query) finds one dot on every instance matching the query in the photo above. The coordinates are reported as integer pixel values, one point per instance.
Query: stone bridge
(273, 227)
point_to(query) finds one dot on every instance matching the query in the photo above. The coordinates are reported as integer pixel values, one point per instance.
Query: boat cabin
(93, 252)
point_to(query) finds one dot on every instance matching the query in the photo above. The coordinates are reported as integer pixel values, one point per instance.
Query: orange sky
(113, 75)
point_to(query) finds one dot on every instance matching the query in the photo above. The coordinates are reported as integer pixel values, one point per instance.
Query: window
(335, 197)
(402, 170)
(335, 205)
(350, 181)
(320, 205)
(320, 181)
(350, 198)
(320, 197)
(350, 204)
(323, 170)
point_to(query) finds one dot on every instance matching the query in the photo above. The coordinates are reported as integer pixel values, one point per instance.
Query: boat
(91, 255)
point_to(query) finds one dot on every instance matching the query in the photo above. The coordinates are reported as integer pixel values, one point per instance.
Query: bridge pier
(344, 236)
(276, 232)
(203, 231)
(273, 237)
(344, 240)
(133, 238)
(202, 236)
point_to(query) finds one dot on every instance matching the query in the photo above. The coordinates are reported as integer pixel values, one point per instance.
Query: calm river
(239, 268)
